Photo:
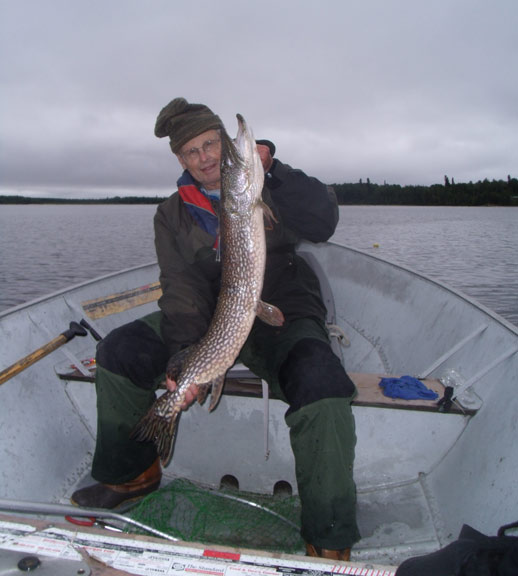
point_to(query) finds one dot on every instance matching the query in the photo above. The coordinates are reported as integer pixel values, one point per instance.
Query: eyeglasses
(208, 147)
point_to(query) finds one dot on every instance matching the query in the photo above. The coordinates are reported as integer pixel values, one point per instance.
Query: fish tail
(158, 429)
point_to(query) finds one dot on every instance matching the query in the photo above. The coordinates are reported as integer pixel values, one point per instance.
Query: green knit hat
(182, 121)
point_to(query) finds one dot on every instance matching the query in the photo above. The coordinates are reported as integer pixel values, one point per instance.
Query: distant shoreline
(484, 193)
(22, 201)
(114, 200)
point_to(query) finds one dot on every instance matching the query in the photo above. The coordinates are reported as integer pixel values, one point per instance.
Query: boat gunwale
(304, 244)
(442, 284)
(73, 288)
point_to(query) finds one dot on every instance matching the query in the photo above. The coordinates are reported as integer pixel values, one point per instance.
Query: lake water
(46, 248)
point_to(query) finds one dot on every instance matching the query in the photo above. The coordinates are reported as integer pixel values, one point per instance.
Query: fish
(243, 259)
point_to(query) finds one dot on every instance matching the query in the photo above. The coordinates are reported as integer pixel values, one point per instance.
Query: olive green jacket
(304, 207)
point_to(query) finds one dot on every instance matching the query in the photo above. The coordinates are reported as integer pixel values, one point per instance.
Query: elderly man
(296, 359)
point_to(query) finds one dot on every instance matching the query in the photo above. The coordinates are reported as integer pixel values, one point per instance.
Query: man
(295, 359)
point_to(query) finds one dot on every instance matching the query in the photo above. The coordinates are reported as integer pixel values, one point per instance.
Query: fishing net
(228, 517)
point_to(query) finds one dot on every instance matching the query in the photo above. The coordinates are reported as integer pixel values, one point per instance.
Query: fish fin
(174, 366)
(268, 215)
(269, 314)
(158, 429)
(203, 390)
(217, 389)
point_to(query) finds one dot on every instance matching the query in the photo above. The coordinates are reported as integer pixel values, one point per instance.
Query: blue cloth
(408, 388)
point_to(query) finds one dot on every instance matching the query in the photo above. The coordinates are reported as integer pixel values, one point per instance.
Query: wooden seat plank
(370, 394)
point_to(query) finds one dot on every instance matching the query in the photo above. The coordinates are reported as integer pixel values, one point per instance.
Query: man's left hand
(265, 155)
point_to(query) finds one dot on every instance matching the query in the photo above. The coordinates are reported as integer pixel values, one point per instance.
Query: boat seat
(243, 382)
(240, 380)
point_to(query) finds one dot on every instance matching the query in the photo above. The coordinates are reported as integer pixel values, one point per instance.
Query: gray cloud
(402, 91)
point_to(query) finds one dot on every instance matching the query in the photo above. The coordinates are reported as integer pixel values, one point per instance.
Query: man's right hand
(190, 395)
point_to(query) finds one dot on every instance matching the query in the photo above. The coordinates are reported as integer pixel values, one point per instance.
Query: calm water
(45, 248)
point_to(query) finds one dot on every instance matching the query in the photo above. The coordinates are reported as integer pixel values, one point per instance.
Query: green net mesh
(229, 517)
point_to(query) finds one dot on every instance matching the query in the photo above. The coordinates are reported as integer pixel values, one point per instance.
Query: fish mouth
(244, 139)
(240, 158)
(247, 148)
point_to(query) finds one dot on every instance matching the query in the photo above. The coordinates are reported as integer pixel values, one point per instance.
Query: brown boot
(113, 495)
(344, 555)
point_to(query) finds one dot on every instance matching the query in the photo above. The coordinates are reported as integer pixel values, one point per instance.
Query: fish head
(242, 173)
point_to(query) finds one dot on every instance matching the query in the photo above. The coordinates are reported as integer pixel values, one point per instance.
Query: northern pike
(243, 258)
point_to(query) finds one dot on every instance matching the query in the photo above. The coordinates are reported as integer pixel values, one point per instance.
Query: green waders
(320, 419)
(322, 439)
(120, 405)
(131, 363)
(321, 424)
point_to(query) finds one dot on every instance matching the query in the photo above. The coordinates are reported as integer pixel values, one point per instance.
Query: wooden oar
(75, 329)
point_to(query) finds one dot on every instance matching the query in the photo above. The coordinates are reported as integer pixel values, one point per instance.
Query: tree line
(112, 200)
(482, 193)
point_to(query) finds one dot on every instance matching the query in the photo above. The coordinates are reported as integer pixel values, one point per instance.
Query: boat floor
(396, 522)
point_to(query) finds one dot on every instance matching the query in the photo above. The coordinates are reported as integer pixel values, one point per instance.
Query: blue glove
(408, 388)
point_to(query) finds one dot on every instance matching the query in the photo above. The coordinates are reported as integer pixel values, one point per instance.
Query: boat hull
(420, 475)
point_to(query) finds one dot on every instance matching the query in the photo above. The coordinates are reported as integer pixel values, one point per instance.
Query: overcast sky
(402, 91)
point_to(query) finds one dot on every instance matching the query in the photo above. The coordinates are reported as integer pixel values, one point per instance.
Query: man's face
(201, 156)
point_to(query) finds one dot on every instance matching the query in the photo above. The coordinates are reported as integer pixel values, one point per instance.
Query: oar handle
(96, 336)
(74, 330)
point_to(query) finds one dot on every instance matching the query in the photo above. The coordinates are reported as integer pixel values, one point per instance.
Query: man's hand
(266, 156)
(190, 395)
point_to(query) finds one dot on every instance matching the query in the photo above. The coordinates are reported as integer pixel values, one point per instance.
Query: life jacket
(199, 206)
